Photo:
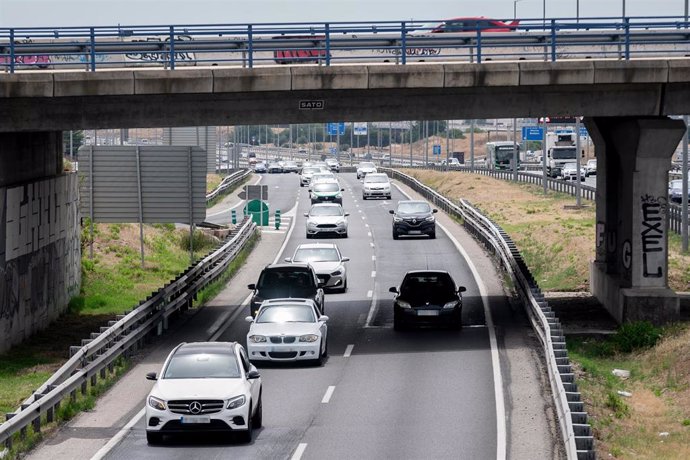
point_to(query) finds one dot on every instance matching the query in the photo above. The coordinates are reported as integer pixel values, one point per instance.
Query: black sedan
(427, 297)
(413, 218)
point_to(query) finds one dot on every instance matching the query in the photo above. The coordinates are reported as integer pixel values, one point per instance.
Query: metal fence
(572, 418)
(96, 356)
(229, 183)
(400, 42)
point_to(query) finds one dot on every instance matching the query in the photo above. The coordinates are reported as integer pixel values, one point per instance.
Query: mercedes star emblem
(195, 407)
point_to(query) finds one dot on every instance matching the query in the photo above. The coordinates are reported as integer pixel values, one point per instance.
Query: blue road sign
(564, 131)
(333, 150)
(532, 133)
(583, 132)
(336, 128)
(436, 150)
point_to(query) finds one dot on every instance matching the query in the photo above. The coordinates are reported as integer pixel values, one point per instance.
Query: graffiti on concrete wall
(34, 60)
(159, 56)
(653, 236)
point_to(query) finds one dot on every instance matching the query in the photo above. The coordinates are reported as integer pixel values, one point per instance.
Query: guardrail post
(92, 53)
(627, 38)
(553, 40)
(12, 51)
(479, 45)
(172, 47)
(403, 43)
(36, 424)
(233, 215)
(83, 387)
(328, 44)
(251, 46)
(277, 220)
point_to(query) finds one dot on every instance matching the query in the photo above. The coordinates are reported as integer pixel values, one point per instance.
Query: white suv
(376, 185)
(204, 386)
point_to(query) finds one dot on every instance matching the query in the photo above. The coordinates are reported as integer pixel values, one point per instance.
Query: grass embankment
(558, 244)
(213, 181)
(112, 282)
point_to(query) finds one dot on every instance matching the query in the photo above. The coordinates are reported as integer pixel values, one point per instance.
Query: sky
(61, 13)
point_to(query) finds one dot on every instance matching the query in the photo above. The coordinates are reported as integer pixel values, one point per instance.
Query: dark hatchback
(297, 281)
(427, 297)
(413, 218)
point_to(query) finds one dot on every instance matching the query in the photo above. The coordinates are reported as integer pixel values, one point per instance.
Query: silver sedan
(328, 263)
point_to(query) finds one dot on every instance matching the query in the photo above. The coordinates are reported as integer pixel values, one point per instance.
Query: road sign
(360, 129)
(312, 104)
(532, 133)
(336, 128)
(564, 131)
(583, 132)
(333, 150)
(437, 149)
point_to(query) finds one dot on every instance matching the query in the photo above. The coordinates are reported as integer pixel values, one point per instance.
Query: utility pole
(472, 146)
(515, 152)
(390, 144)
(543, 156)
(578, 186)
(426, 148)
(684, 178)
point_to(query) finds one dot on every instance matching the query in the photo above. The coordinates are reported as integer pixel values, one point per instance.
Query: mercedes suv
(413, 218)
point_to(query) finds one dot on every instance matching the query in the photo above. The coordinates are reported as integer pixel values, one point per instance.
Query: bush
(636, 336)
(202, 241)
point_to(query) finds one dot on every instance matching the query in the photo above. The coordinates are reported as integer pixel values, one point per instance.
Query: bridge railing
(399, 42)
(572, 418)
(97, 355)
(228, 183)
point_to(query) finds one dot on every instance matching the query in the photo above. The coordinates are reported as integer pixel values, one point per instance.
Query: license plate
(415, 232)
(427, 312)
(194, 420)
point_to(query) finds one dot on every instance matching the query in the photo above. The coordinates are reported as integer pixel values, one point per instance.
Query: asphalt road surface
(417, 394)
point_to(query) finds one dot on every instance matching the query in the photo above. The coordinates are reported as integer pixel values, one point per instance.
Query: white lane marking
(299, 451)
(289, 234)
(366, 225)
(371, 244)
(373, 274)
(103, 451)
(348, 351)
(364, 217)
(327, 397)
(369, 234)
(359, 210)
(223, 326)
(369, 294)
(357, 206)
(495, 362)
(272, 231)
(373, 257)
(372, 309)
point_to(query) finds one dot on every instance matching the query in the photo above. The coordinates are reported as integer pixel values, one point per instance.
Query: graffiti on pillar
(653, 236)
(627, 254)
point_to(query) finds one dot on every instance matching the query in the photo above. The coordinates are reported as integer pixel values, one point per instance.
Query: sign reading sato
(312, 104)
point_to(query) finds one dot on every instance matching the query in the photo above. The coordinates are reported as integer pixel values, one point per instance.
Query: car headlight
(156, 403)
(236, 402)
(449, 305)
(340, 222)
(336, 273)
(397, 219)
(257, 338)
(430, 219)
(309, 338)
(403, 304)
(311, 224)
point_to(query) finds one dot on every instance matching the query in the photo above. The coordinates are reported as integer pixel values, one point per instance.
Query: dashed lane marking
(348, 351)
(329, 393)
(299, 451)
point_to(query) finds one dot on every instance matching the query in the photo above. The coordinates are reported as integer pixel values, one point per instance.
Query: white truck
(560, 149)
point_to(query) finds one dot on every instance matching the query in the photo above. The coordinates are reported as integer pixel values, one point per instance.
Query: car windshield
(563, 154)
(367, 165)
(376, 179)
(409, 208)
(311, 170)
(326, 211)
(420, 283)
(202, 366)
(326, 187)
(291, 280)
(569, 166)
(316, 255)
(286, 314)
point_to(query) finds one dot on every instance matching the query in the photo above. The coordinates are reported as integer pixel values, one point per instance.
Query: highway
(381, 394)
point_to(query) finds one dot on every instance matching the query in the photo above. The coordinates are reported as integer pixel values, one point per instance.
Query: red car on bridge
(468, 24)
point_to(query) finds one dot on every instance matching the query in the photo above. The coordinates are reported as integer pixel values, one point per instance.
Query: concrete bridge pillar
(630, 273)
(40, 252)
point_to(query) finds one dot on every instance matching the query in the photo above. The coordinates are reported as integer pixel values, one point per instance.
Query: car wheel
(345, 235)
(258, 418)
(308, 236)
(154, 438)
(246, 435)
(432, 235)
(325, 349)
(301, 184)
(364, 197)
(397, 323)
(389, 197)
(395, 235)
(319, 361)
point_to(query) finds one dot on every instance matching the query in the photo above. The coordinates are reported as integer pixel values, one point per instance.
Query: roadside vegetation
(650, 418)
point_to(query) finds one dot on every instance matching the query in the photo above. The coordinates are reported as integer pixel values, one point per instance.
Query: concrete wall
(40, 251)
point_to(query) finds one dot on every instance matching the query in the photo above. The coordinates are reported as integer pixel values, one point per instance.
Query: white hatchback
(204, 387)
(376, 185)
(288, 330)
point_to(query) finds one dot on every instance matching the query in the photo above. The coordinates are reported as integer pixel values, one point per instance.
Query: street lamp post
(515, 2)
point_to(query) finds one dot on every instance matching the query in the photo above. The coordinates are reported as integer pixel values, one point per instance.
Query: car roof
(324, 205)
(206, 347)
(287, 300)
(287, 266)
(316, 245)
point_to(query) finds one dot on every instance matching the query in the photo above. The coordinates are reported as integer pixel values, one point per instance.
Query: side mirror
(249, 319)
(306, 214)
(393, 289)
(287, 259)
(323, 318)
(347, 214)
(342, 189)
(151, 376)
(435, 211)
(390, 211)
(251, 286)
(345, 259)
(462, 289)
(309, 190)
(253, 374)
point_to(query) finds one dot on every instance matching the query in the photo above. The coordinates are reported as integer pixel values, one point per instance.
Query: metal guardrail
(228, 182)
(572, 418)
(401, 42)
(97, 355)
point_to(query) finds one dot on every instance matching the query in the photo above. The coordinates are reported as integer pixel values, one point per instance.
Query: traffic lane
(414, 395)
(590, 180)
(395, 257)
